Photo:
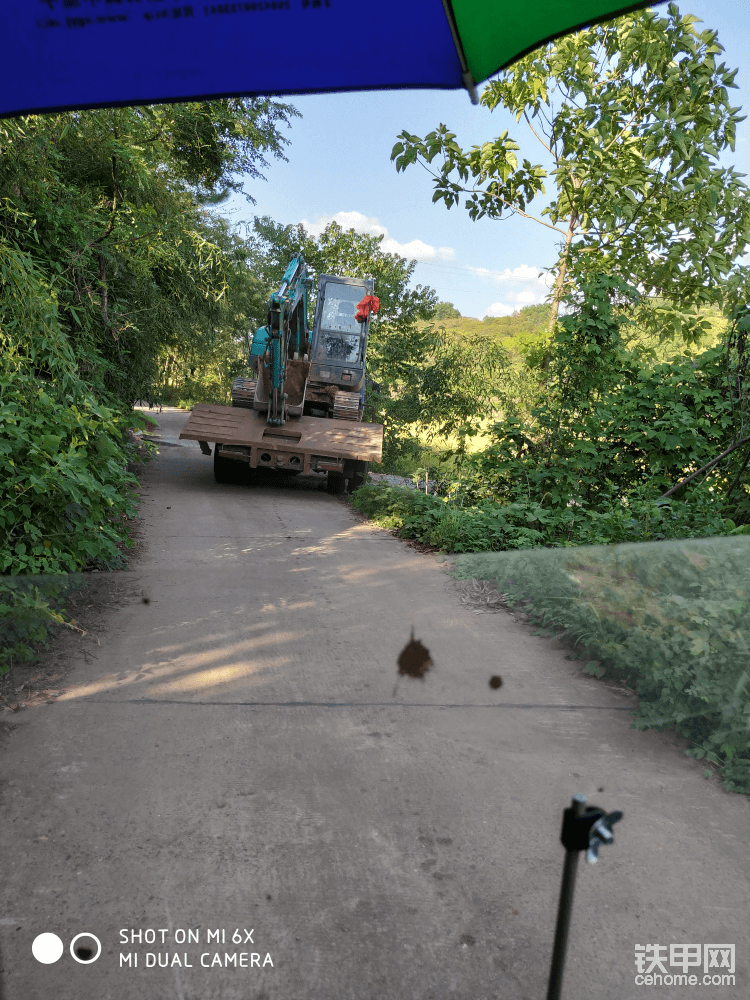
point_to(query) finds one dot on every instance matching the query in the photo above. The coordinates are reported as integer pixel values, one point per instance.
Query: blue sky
(339, 167)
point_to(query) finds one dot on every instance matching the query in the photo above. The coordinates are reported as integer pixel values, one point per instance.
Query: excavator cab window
(339, 313)
(339, 349)
(341, 335)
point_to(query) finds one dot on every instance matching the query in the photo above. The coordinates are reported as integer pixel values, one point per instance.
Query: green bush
(455, 524)
(65, 492)
(66, 482)
(65, 500)
(29, 607)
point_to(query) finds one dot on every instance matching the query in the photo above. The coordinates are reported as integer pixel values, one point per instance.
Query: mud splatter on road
(414, 659)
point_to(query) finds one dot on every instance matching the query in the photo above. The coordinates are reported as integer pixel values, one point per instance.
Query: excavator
(301, 407)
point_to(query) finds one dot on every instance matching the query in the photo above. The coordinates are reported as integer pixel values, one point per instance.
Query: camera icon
(85, 948)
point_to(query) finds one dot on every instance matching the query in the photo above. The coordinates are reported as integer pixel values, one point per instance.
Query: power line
(453, 267)
(488, 273)
(467, 291)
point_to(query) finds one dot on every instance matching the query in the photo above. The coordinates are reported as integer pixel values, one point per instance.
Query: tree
(446, 310)
(358, 255)
(212, 142)
(107, 204)
(634, 115)
(112, 274)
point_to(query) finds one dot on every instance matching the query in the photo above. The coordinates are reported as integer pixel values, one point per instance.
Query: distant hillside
(527, 327)
(518, 333)
(529, 320)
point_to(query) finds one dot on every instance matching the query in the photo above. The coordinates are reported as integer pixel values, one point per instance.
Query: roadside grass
(669, 619)
(41, 615)
(30, 608)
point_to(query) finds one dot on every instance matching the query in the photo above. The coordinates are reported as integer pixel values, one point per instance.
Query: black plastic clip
(588, 831)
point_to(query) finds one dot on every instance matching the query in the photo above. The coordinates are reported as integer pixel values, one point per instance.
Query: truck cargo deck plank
(231, 425)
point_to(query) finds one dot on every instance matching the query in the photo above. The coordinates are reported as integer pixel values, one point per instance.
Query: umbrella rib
(468, 79)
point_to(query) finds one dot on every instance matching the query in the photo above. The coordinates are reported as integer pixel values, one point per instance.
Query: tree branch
(134, 239)
(513, 208)
(489, 194)
(737, 478)
(103, 283)
(536, 134)
(111, 223)
(636, 213)
(624, 127)
(706, 468)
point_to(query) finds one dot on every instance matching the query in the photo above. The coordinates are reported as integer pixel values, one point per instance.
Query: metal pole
(563, 911)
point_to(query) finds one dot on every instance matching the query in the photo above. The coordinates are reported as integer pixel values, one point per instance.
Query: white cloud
(418, 250)
(499, 309)
(521, 273)
(528, 297)
(414, 250)
(525, 286)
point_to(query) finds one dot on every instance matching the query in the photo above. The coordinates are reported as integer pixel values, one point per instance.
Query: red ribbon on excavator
(369, 304)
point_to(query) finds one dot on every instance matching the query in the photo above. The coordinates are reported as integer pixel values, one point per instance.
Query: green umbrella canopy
(491, 34)
(63, 54)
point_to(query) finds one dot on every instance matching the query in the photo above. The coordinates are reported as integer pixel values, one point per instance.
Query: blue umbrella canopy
(64, 54)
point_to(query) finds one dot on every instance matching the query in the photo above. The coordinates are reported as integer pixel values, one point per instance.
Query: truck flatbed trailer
(305, 444)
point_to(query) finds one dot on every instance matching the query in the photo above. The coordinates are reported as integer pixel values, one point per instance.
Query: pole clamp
(588, 831)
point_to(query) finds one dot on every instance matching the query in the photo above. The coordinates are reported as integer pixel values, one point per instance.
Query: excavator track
(346, 406)
(243, 392)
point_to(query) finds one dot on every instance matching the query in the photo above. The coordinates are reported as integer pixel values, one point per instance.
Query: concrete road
(234, 788)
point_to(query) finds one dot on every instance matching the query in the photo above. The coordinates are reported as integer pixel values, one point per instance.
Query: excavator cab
(339, 339)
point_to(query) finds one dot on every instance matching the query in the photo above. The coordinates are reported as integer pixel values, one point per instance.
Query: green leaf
(595, 668)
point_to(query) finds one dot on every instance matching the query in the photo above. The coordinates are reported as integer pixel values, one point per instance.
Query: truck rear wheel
(336, 483)
(356, 474)
(225, 470)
